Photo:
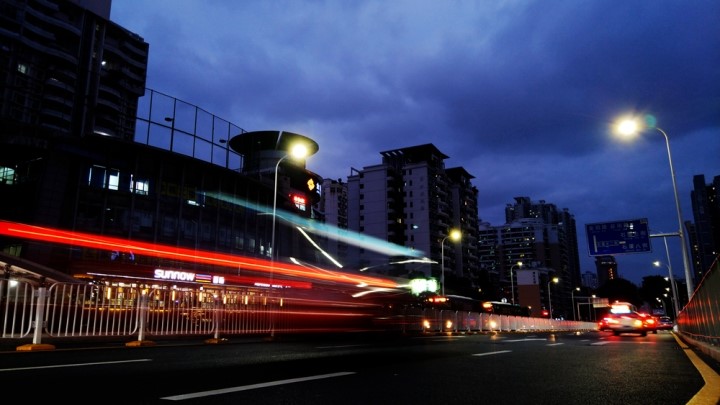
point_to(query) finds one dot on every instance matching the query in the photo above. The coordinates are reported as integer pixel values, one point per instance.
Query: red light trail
(25, 231)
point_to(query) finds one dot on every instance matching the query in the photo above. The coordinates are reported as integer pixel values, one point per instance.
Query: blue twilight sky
(521, 93)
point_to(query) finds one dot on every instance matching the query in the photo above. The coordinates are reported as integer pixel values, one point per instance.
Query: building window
(102, 177)
(22, 68)
(139, 186)
(7, 175)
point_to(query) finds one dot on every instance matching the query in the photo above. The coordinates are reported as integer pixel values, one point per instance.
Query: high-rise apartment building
(589, 280)
(464, 208)
(705, 233)
(544, 240)
(68, 71)
(606, 268)
(412, 200)
(333, 209)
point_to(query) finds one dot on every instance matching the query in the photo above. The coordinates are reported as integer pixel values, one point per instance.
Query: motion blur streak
(188, 255)
(349, 237)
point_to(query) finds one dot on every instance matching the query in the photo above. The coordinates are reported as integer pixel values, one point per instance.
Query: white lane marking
(523, 340)
(620, 342)
(73, 365)
(254, 386)
(446, 337)
(340, 346)
(555, 344)
(489, 353)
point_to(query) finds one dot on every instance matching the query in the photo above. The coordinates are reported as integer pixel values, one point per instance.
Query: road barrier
(142, 313)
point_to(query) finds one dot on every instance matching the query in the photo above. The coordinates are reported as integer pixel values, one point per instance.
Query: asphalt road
(543, 368)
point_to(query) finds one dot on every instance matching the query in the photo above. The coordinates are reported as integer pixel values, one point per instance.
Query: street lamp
(662, 302)
(298, 151)
(673, 286)
(572, 299)
(512, 280)
(630, 127)
(554, 280)
(455, 236)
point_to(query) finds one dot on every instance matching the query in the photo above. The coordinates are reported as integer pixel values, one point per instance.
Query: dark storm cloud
(520, 93)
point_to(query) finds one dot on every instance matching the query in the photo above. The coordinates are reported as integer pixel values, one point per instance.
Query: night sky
(522, 94)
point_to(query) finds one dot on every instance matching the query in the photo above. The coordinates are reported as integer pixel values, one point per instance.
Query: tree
(620, 289)
(654, 287)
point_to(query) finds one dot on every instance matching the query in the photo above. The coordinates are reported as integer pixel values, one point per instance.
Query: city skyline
(522, 95)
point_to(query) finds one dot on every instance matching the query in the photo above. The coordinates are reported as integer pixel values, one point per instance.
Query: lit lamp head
(299, 151)
(455, 235)
(630, 126)
(627, 127)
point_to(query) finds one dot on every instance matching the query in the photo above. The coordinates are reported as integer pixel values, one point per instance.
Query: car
(651, 322)
(665, 323)
(623, 318)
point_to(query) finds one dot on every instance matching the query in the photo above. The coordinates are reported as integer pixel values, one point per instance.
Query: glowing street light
(512, 280)
(673, 286)
(572, 299)
(629, 127)
(554, 280)
(454, 235)
(298, 151)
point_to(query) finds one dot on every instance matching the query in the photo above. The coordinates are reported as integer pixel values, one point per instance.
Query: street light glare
(455, 235)
(299, 151)
(628, 127)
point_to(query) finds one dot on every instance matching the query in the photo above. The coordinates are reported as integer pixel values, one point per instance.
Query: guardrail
(75, 310)
(699, 322)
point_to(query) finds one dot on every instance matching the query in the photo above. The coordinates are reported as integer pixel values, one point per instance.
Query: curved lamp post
(630, 127)
(454, 235)
(298, 151)
(512, 280)
(554, 280)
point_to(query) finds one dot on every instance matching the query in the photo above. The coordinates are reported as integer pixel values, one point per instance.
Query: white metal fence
(68, 310)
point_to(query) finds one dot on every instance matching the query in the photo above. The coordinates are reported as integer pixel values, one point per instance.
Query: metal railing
(76, 310)
(699, 321)
(72, 310)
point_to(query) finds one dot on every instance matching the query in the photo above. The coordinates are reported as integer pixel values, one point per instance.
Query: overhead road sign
(619, 237)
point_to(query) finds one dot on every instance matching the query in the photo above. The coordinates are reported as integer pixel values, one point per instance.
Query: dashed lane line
(253, 386)
(73, 365)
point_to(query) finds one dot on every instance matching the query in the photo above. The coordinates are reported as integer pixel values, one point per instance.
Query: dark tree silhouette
(620, 289)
